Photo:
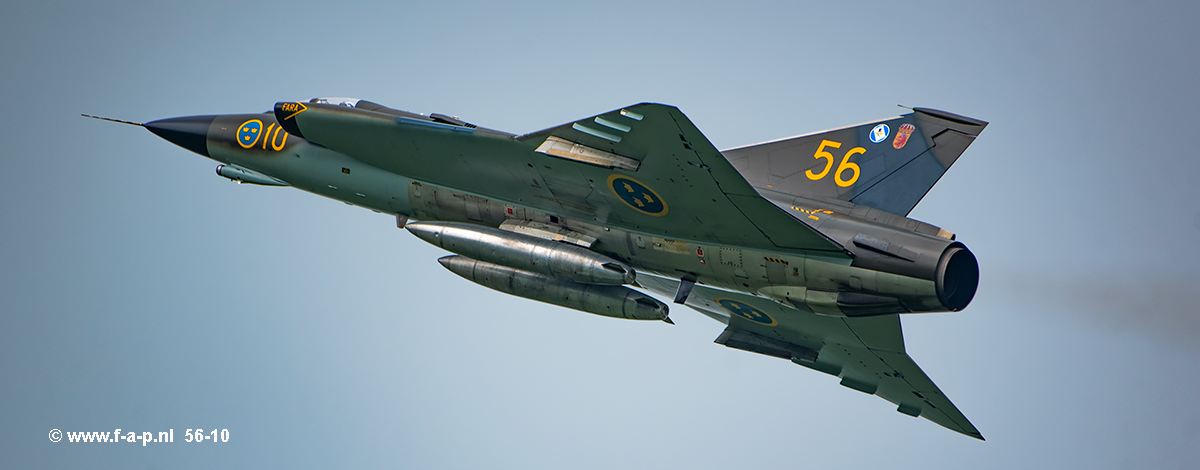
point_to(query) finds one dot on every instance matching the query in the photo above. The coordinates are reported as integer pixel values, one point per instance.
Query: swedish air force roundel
(637, 195)
(746, 311)
(249, 132)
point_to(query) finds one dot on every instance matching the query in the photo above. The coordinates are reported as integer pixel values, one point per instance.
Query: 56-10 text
(198, 435)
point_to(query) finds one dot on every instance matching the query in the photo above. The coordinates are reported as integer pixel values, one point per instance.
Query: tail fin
(888, 164)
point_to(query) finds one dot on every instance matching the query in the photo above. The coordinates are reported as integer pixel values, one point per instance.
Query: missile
(609, 301)
(548, 257)
(243, 175)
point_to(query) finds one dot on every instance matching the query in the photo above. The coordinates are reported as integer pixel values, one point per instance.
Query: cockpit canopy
(378, 108)
(347, 102)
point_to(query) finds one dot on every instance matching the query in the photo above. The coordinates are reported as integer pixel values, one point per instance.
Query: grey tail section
(888, 164)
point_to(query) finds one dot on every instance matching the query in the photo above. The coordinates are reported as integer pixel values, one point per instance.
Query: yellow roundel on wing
(746, 311)
(249, 132)
(637, 195)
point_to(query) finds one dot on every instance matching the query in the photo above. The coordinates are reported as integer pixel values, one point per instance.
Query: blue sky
(140, 291)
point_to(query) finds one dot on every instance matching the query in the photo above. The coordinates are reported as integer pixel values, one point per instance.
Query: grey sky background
(140, 291)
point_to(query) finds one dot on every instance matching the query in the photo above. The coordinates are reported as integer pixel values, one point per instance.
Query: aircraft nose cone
(189, 132)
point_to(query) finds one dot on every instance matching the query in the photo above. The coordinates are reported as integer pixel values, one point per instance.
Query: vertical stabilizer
(888, 164)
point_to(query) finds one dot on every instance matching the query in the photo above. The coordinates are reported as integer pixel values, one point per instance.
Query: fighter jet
(800, 246)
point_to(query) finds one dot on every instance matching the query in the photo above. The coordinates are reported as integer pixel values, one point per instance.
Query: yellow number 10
(846, 164)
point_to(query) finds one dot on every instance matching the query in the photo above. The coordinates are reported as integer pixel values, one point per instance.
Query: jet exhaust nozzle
(957, 277)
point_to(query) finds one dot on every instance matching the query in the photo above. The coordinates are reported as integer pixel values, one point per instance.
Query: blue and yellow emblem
(249, 132)
(637, 195)
(746, 311)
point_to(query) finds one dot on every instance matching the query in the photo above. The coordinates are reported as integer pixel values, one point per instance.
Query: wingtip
(969, 432)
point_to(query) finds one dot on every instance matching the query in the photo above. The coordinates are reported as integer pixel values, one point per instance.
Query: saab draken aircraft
(800, 246)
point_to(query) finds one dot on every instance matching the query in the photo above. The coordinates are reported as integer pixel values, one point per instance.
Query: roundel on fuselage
(249, 133)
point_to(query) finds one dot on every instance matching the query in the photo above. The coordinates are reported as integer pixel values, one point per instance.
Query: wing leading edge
(658, 145)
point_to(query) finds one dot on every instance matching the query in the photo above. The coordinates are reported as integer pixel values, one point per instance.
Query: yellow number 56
(846, 164)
